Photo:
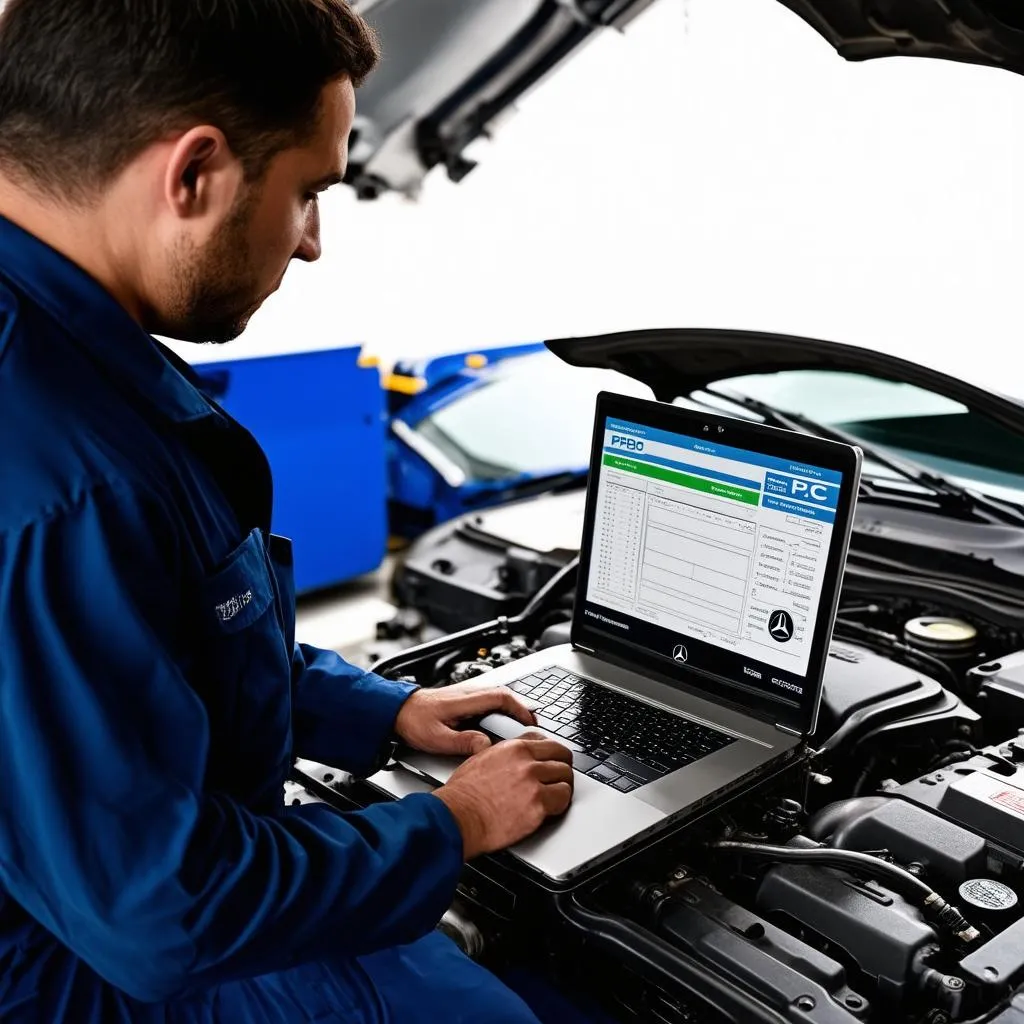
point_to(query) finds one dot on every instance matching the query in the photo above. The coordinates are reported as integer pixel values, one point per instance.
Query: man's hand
(507, 792)
(428, 718)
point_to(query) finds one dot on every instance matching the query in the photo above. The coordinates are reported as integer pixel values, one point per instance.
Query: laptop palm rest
(599, 819)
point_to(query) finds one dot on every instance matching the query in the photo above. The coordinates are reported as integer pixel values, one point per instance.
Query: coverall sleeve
(107, 837)
(343, 716)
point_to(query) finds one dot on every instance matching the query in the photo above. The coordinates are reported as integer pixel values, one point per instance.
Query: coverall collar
(96, 321)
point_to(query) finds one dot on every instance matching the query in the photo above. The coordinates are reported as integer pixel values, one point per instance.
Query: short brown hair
(87, 85)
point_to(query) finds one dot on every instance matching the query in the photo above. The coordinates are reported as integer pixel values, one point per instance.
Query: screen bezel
(800, 717)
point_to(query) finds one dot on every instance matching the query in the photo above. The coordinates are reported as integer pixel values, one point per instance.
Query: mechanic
(159, 168)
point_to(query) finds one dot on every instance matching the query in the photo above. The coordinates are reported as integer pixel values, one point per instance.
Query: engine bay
(878, 877)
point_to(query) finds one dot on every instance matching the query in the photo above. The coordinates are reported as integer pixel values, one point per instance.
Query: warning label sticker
(1013, 799)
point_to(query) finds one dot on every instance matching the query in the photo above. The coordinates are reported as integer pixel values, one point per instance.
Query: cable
(860, 609)
(552, 586)
(952, 758)
(862, 779)
(907, 884)
(901, 880)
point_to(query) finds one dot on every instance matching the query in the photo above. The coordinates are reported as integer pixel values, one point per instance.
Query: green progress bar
(694, 483)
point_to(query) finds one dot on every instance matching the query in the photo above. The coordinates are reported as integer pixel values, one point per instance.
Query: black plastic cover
(1000, 961)
(864, 690)
(949, 853)
(458, 577)
(876, 928)
(780, 968)
(984, 794)
(992, 804)
(1001, 691)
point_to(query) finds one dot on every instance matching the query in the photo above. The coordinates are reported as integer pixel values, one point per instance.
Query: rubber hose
(902, 881)
(857, 863)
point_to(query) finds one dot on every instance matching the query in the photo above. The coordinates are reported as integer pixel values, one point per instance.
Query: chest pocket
(243, 670)
(240, 591)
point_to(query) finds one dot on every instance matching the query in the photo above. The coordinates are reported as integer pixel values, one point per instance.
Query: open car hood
(974, 31)
(452, 68)
(675, 362)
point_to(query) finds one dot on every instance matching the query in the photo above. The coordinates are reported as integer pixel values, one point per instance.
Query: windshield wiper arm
(980, 504)
(526, 484)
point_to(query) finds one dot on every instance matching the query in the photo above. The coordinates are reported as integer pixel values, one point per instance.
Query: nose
(309, 250)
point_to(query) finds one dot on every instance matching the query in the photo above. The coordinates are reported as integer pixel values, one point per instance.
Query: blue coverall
(152, 699)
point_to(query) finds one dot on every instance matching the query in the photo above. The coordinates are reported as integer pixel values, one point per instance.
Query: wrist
(406, 708)
(467, 818)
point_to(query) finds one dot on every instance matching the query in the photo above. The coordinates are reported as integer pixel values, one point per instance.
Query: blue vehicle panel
(320, 417)
(422, 491)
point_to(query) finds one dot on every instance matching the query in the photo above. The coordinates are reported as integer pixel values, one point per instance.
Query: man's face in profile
(217, 289)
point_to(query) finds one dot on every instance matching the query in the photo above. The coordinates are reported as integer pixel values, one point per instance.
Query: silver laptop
(710, 569)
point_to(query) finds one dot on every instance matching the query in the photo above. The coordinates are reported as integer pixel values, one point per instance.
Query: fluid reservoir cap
(940, 634)
(988, 894)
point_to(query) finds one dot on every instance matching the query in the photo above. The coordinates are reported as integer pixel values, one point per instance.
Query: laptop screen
(714, 557)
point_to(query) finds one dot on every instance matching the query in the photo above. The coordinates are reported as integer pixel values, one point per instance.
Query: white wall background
(720, 166)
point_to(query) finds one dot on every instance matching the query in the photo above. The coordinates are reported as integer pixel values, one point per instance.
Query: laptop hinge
(580, 647)
(788, 730)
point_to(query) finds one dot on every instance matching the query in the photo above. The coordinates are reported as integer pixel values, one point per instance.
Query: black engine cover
(873, 927)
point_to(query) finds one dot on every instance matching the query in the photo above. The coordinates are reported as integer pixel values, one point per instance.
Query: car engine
(882, 882)
(878, 879)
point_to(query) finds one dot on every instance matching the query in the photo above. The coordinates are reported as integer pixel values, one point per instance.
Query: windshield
(551, 405)
(928, 428)
(534, 416)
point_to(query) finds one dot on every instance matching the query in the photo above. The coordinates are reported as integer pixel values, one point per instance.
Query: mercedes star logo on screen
(680, 653)
(780, 626)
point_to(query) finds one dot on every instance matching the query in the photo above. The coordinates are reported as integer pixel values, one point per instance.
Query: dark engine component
(913, 835)
(865, 693)
(1000, 961)
(879, 719)
(962, 829)
(487, 659)
(752, 951)
(466, 575)
(983, 793)
(1000, 687)
(873, 927)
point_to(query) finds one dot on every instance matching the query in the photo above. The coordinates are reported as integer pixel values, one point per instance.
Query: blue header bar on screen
(722, 451)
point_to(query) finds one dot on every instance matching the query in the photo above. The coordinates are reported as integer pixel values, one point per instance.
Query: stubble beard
(215, 291)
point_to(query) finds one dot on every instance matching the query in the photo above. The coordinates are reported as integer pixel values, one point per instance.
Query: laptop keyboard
(617, 740)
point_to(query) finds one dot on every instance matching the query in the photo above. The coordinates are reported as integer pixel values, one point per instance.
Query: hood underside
(453, 68)
(674, 362)
(975, 31)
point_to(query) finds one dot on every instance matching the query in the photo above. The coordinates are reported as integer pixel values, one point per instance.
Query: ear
(203, 177)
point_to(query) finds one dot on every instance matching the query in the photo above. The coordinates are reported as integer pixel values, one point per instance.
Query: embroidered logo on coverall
(229, 609)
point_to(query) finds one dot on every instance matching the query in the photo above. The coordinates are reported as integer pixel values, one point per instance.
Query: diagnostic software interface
(712, 543)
